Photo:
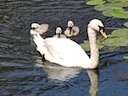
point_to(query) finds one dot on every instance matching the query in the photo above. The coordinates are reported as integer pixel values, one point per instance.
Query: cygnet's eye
(33, 28)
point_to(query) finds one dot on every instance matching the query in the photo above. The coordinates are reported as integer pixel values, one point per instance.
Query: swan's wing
(50, 48)
(55, 36)
(62, 36)
(65, 49)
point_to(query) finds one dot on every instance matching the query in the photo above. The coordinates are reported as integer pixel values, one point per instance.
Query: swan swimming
(59, 33)
(68, 53)
(72, 30)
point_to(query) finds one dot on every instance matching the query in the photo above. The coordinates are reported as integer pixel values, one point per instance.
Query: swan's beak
(102, 31)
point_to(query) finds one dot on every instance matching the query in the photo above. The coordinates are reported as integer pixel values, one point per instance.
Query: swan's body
(68, 53)
(72, 30)
(59, 33)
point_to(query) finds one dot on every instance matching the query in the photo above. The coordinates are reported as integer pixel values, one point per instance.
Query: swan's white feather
(65, 52)
(68, 53)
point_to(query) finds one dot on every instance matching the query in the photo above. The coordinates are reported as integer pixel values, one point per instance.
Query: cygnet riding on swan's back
(40, 28)
(72, 30)
(59, 33)
(68, 53)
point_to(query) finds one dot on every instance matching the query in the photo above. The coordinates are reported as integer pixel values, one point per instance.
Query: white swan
(59, 33)
(40, 28)
(68, 53)
(72, 30)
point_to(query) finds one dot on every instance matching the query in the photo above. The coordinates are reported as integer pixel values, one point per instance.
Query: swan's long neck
(94, 58)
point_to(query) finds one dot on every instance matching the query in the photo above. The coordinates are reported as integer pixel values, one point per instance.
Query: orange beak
(103, 32)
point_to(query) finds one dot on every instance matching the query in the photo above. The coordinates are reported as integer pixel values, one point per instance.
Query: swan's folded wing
(52, 49)
(64, 49)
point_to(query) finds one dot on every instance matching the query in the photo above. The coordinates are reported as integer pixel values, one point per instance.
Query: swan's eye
(102, 31)
(70, 27)
(101, 28)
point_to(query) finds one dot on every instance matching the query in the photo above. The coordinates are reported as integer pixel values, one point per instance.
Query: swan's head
(58, 30)
(70, 24)
(98, 26)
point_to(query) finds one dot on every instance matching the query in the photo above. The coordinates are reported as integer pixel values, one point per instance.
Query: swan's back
(67, 51)
(61, 36)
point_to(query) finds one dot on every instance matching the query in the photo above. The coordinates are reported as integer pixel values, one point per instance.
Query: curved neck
(94, 58)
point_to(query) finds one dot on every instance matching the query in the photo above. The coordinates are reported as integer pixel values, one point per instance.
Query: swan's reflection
(56, 72)
(94, 77)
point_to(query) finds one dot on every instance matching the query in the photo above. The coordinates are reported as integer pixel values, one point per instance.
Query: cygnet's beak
(32, 32)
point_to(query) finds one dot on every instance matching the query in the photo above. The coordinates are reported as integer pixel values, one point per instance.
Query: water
(21, 69)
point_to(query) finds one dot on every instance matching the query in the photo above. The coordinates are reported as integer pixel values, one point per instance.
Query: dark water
(21, 69)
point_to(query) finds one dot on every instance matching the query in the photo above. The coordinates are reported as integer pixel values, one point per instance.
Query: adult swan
(68, 53)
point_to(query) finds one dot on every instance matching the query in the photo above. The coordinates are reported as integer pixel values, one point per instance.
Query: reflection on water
(64, 74)
(59, 73)
(56, 72)
(94, 76)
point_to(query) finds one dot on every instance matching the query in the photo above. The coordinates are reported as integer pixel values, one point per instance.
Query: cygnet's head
(58, 30)
(70, 23)
(35, 25)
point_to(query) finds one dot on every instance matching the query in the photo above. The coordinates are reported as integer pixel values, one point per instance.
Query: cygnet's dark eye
(33, 28)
